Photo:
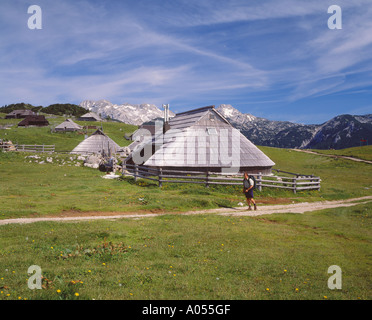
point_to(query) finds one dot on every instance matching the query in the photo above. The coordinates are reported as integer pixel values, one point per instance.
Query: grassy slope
(62, 141)
(364, 152)
(183, 257)
(283, 256)
(39, 189)
(340, 178)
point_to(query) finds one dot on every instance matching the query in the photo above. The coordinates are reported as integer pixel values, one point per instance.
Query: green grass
(340, 178)
(283, 256)
(30, 189)
(62, 141)
(364, 152)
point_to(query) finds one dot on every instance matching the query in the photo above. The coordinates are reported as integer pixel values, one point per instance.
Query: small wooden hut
(68, 126)
(20, 114)
(97, 143)
(34, 120)
(90, 116)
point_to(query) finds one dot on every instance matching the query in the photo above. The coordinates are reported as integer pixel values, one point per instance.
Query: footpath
(238, 211)
(333, 156)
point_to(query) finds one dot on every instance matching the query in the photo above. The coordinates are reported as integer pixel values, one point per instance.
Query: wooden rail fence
(35, 148)
(296, 183)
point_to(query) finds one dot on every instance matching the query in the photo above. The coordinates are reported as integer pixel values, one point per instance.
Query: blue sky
(275, 59)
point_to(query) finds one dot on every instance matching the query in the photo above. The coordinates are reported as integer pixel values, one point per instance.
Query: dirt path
(333, 156)
(239, 211)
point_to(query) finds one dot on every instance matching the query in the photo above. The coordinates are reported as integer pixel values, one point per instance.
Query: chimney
(166, 118)
(166, 112)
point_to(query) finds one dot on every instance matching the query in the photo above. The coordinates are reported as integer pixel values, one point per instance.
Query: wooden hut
(201, 140)
(90, 116)
(20, 114)
(144, 128)
(97, 143)
(68, 126)
(34, 120)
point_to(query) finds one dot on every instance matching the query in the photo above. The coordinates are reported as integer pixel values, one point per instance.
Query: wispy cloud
(260, 55)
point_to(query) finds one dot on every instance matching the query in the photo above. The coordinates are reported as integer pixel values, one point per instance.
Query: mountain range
(135, 114)
(340, 132)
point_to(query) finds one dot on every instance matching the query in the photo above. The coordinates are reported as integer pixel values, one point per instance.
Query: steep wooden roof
(90, 115)
(68, 124)
(203, 138)
(97, 142)
(34, 120)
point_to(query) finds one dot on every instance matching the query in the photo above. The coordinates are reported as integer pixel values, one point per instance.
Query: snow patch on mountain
(340, 132)
(135, 114)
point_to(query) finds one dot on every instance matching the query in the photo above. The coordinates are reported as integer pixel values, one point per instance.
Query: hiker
(248, 184)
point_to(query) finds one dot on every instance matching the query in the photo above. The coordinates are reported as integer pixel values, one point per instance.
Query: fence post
(160, 177)
(135, 172)
(206, 180)
(318, 183)
(259, 181)
(294, 185)
(43, 147)
(123, 167)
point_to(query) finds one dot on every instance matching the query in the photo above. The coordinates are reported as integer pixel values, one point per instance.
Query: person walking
(248, 184)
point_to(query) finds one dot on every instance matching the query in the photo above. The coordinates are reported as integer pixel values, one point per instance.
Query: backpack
(254, 181)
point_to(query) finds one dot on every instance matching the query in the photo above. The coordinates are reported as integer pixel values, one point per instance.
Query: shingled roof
(97, 143)
(34, 120)
(17, 114)
(90, 116)
(68, 125)
(202, 139)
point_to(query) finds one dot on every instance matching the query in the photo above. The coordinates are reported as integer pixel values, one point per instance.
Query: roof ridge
(196, 110)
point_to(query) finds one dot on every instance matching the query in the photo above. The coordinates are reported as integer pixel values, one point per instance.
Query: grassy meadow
(341, 178)
(364, 152)
(63, 141)
(33, 189)
(281, 256)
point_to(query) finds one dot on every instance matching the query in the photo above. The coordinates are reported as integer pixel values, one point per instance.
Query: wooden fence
(295, 183)
(35, 148)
